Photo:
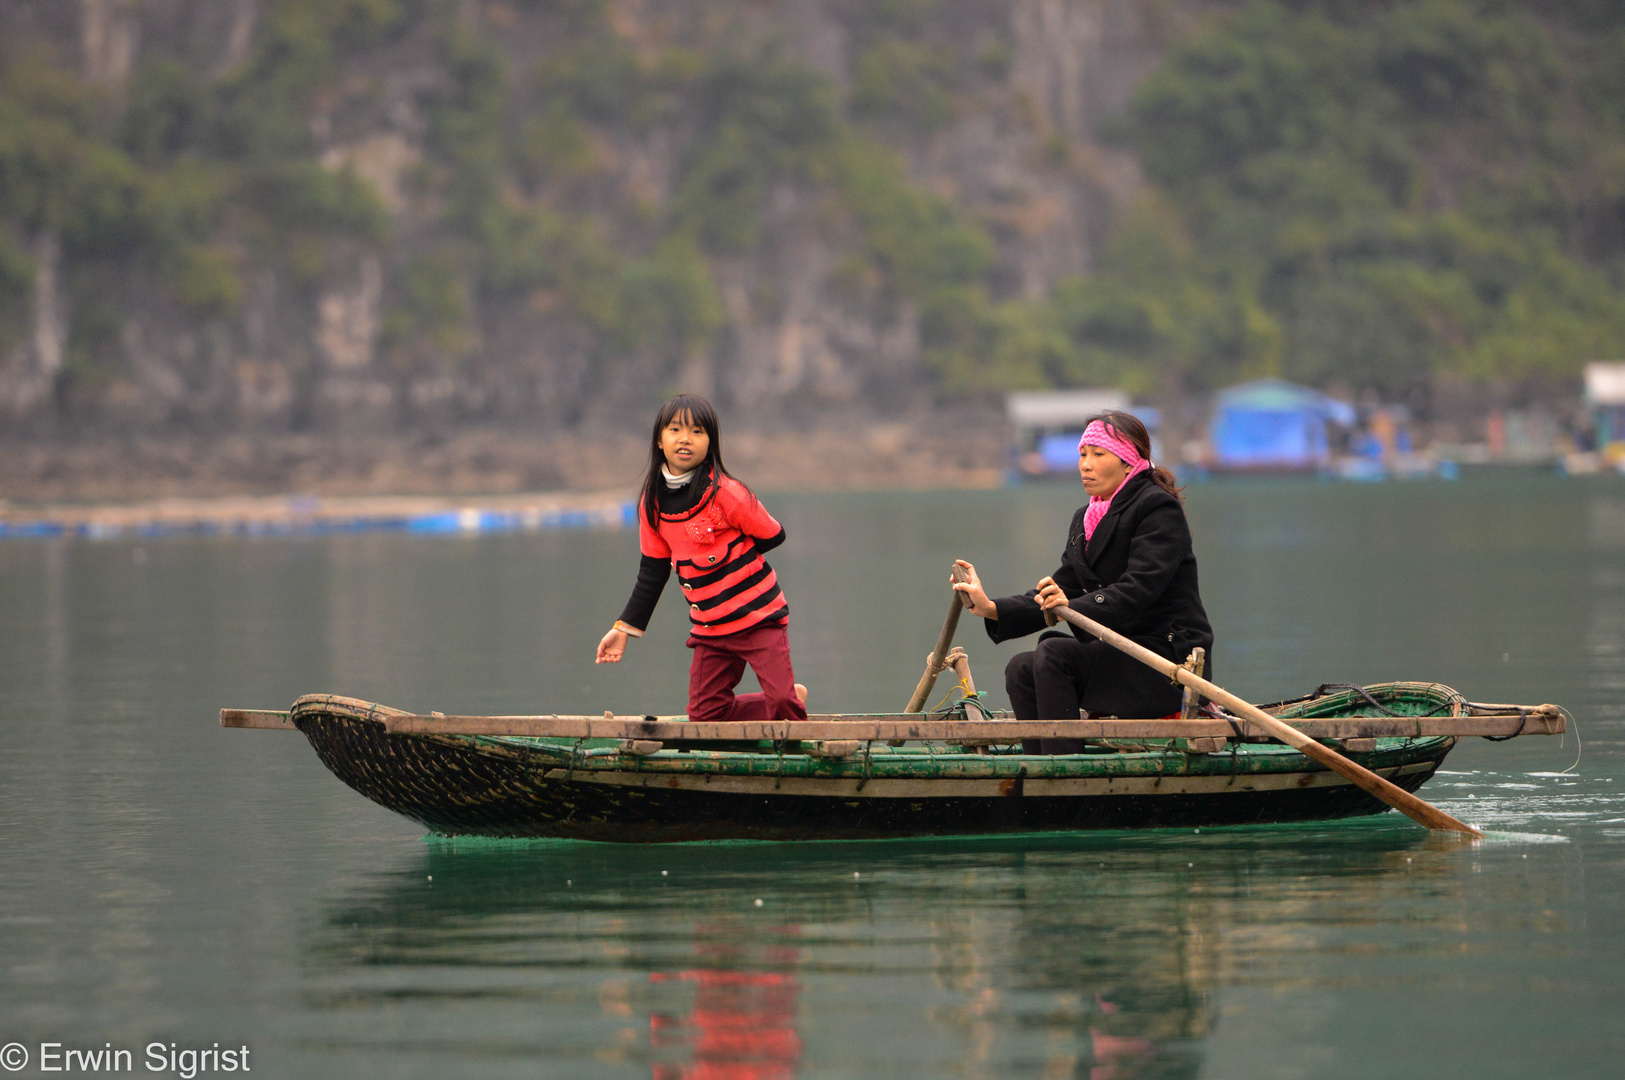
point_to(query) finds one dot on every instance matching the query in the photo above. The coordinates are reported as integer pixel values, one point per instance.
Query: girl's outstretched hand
(611, 647)
(972, 587)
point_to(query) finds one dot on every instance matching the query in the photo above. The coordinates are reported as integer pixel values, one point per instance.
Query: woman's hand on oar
(968, 585)
(1418, 810)
(1050, 596)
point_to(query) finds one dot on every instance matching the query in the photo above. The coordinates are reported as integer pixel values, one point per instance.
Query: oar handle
(1418, 810)
(945, 640)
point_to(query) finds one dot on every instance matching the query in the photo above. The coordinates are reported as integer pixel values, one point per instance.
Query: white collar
(677, 480)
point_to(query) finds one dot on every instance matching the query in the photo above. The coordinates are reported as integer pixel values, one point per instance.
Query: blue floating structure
(1271, 425)
(1605, 401)
(304, 516)
(30, 530)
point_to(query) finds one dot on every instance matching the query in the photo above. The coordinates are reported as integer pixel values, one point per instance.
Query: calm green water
(165, 880)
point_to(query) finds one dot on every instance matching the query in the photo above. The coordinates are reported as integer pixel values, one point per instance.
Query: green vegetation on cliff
(186, 182)
(1368, 192)
(1363, 192)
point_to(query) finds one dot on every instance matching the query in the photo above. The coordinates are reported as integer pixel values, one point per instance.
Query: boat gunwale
(922, 760)
(1404, 700)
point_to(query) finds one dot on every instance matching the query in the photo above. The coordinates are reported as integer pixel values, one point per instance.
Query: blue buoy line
(469, 521)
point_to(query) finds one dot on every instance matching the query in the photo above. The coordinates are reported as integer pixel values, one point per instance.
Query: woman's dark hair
(699, 411)
(1129, 427)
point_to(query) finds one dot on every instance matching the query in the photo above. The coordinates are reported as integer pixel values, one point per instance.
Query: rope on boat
(1483, 709)
(1453, 700)
(975, 701)
(1579, 748)
(934, 766)
(1523, 719)
(943, 705)
(1321, 691)
(1523, 722)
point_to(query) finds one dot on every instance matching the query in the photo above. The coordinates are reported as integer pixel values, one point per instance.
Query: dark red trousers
(719, 664)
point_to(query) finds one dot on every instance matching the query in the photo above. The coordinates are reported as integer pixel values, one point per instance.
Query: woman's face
(1102, 471)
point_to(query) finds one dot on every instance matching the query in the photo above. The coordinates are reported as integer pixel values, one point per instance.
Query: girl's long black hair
(701, 412)
(1129, 427)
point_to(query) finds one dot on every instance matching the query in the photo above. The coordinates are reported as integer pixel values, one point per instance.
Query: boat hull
(507, 787)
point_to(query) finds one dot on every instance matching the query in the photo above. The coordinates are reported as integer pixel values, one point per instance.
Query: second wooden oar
(938, 660)
(1418, 810)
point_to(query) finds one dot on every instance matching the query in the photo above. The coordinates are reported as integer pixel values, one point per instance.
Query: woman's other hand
(1050, 596)
(611, 647)
(971, 588)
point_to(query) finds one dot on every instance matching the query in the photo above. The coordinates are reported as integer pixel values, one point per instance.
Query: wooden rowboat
(651, 778)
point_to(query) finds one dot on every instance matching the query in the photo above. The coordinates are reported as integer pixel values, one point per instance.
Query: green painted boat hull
(591, 790)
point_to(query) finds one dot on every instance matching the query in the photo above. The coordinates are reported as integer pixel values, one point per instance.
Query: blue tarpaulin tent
(1272, 424)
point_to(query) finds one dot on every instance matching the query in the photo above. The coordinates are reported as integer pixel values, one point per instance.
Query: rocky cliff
(284, 215)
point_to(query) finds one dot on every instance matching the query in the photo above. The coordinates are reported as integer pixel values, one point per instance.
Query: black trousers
(1064, 676)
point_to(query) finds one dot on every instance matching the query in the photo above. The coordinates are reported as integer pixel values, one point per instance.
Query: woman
(1127, 564)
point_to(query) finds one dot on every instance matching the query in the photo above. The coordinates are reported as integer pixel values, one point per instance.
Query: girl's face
(1102, 471)
(685, 444)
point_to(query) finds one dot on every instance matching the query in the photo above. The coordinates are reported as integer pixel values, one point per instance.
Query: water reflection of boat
(834, 777)
(741, 1024)
(1103, 956)
(1141, 977)
(581, 953)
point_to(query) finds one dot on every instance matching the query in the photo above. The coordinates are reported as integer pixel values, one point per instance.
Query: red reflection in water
(1115, 1055)
(741, 1026)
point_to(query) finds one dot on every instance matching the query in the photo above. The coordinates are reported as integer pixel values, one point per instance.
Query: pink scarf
(1108, 439)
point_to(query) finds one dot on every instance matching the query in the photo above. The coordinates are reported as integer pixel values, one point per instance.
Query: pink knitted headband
(1107, 438)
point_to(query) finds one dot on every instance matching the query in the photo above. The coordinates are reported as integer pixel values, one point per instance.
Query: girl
(1127, 564)
(697, 518)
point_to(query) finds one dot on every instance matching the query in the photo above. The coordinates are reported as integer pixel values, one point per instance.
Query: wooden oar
(1417, 810)
(937, 661)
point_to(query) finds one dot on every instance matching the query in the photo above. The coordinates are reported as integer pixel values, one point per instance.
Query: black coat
(1136, 575)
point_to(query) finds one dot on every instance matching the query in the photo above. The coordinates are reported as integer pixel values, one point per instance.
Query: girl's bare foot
(801, 692)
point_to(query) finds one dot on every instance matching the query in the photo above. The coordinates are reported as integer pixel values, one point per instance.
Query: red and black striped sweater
(714, 534)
